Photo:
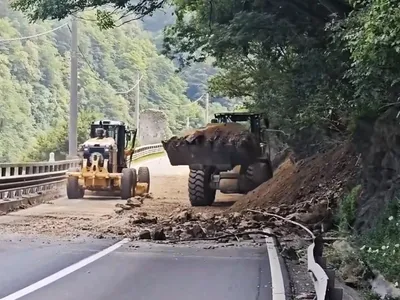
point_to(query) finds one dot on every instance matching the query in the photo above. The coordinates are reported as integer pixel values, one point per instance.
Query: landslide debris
(187, 225)
(131, 203)
(307, 191)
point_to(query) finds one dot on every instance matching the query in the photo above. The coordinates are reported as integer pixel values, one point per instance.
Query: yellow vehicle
(105, 161)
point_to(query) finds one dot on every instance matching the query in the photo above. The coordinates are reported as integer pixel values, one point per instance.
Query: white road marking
(278, 286)
(64, 272)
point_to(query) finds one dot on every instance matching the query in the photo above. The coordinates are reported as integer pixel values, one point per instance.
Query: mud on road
(98, 216)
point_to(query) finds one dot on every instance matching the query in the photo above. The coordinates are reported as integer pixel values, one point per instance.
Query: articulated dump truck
(229, 154)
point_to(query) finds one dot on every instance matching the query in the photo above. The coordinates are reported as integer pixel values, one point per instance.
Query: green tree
(56, 139)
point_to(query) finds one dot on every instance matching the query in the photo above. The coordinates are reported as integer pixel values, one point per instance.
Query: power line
(131, 89)
(35, 35)
(97, 77)
(188, 104)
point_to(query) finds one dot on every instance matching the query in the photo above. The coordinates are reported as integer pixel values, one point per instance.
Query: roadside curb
(283, 290)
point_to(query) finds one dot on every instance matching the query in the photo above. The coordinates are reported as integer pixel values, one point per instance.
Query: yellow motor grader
(105, 163)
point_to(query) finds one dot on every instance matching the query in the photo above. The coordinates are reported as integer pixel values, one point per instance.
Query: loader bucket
(189, 151)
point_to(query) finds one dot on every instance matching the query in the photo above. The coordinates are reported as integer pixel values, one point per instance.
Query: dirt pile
(307, 191)
(214, 130)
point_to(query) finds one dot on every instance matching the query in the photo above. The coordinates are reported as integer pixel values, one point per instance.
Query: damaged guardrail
(22, 179)
(322, 277)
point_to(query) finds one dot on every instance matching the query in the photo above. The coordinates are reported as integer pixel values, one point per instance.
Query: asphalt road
(132, 271)
(45, 267)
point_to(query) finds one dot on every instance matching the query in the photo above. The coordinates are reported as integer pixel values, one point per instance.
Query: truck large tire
(128, 183)
(74, 191)
(257, 174)
(200, 192)
(144, 176)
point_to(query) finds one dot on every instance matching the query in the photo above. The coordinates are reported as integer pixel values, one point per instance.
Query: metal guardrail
(322, 277)
(23, 179)
(147, 150)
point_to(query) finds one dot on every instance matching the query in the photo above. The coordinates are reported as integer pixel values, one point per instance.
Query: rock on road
(46, 252)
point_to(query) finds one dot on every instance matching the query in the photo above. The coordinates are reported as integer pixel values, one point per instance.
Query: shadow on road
(223, 203)
(101, 195)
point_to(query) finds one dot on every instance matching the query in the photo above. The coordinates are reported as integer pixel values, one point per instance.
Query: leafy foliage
(54, 9)
(56, 139)
(347, 210)
(276, 55)
(305, 63)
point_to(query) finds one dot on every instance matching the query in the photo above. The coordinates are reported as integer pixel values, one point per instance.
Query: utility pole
(73, 103)
(137, 107)
(207, 104)
(187, 123)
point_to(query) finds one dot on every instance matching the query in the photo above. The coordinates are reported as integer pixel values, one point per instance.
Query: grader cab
(105, 163)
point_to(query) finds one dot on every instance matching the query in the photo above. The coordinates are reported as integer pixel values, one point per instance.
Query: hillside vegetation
(34, 84)
(196, 75)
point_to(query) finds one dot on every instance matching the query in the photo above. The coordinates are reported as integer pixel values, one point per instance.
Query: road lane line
(64, 272)
(278, 285)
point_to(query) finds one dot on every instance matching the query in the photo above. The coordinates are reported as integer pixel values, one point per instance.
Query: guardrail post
(332, 293)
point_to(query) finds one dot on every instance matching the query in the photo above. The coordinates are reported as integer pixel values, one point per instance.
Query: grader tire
(144, 176)
(128, 183)
(200, 192)
(74, 191)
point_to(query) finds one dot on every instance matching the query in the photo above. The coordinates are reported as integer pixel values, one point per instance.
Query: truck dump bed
(216, 144)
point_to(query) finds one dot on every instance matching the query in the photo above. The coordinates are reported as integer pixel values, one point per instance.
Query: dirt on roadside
(307, 191)
(105, 216)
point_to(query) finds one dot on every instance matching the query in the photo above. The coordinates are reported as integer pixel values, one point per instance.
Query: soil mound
(307, 190)
(221, 133)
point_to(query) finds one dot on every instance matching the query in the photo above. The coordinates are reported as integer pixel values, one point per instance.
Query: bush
(347, 210)
(381, 246)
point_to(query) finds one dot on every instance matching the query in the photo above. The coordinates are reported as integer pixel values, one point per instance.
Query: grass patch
(347, 210)
(380, 247)
(147, 157)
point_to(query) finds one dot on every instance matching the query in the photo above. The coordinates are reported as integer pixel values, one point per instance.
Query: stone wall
(153, 127)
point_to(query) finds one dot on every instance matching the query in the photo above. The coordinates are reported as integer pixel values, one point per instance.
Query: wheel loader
(105, 163)
(229, 154)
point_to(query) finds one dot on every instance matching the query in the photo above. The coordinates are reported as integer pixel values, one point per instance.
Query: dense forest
(34, 84)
